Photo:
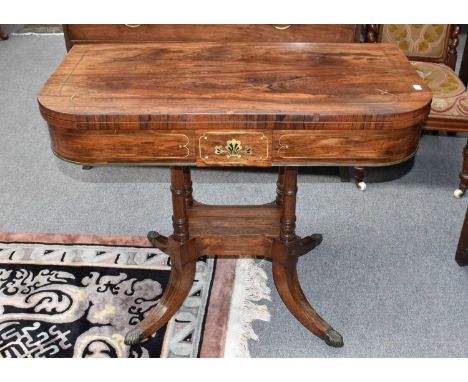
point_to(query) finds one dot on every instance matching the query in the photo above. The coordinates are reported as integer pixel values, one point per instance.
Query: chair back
(422, 42)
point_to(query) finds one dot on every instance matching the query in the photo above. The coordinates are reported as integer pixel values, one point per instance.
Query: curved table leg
(284, 259)
(359, 173)
(3, 35)
(183, 260)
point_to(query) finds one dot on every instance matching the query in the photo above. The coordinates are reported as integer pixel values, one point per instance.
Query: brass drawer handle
(133, 25)
(233, 148)
(282, 28)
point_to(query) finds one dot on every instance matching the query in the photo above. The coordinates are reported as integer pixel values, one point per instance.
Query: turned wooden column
(279, 186)
(288, 208)
(179, 209)
(452, 46)
(188, 187)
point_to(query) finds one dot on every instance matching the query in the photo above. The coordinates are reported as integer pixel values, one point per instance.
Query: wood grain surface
(101, 33)
(108, 94)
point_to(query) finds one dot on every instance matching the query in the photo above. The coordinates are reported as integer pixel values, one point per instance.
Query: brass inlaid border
(180, 146)
(161, 135)
(237, 133)
(285, 147)
(347, 164)
(184, 146)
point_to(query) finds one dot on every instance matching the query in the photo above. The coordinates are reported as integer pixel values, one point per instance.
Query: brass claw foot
(333, 338)
(134, 336)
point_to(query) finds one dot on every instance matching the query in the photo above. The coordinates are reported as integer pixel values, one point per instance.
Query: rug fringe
(250, 287)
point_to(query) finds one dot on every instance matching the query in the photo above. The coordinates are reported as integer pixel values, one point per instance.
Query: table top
(239, 104)
(211, 82)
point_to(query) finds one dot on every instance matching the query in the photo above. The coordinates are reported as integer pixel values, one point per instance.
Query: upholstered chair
(432, 50)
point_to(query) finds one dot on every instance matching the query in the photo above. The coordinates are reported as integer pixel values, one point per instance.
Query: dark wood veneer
(263, 33)
(105, 98)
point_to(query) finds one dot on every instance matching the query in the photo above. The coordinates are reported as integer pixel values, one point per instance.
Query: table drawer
(211, 33)
(250, 148)
(345, 146)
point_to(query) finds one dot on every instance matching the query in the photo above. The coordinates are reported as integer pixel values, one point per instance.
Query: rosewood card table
(234, 104)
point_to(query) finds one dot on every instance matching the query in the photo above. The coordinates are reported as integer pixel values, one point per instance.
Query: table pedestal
(204, 230)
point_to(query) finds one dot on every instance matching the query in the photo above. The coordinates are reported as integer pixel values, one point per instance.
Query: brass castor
(458, 193)
(333, 338)
(361, 186)
(134, 336)
(359, 173)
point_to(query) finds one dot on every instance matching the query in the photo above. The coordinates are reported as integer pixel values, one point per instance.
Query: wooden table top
(211, 82)
(236, 104)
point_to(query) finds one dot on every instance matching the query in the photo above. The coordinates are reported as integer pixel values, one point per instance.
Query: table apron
(212, 148)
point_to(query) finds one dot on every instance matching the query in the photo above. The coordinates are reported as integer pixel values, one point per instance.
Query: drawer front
(250, 148)
(123, 147)
(371, 147)
(331, 33)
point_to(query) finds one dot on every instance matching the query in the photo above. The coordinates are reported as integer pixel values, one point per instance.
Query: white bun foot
(361, 186)
(458, 193)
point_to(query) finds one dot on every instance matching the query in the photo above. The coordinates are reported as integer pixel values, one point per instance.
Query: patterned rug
(76, 296)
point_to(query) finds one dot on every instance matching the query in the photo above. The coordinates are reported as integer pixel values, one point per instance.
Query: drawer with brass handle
(233, 148)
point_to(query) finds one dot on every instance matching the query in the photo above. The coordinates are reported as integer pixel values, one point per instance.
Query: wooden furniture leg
(359, 173)
(279, 186)
(461, 256)
(344, 173)
(285, 252)
(464, 65)
(3, 35)
(460, 191)
(276, 236)
(182, 251)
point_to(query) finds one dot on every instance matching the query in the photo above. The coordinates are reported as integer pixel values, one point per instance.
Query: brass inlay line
(184, 146)
(285, 146)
